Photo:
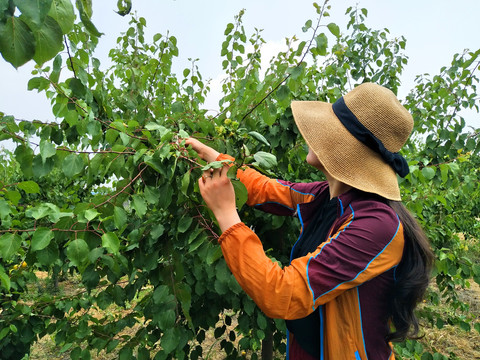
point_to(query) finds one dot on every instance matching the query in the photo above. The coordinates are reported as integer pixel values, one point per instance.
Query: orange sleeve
(263, 190)
(279, 293)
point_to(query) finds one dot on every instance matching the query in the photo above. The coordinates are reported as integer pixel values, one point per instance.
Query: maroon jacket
(348, 277)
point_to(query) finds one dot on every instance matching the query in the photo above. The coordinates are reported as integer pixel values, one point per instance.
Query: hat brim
(343, 156)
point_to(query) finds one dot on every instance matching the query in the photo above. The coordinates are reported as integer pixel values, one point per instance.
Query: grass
(451, 340)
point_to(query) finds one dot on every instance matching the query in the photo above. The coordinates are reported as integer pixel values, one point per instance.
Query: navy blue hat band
(362, 134)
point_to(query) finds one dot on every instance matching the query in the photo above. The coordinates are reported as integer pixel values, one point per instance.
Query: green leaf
(155, 126)
(428, 172)
(91, 214)
(72, 165)
(160, 294)
(214, 253)
(14, 197)
(265, 160)
(169, 340)
(322, 44)
(229, 29)
(184, 224)
(4, 208)
(5, 281)
(477, 327)
(124, 7)
(6, 9)
(249, 306)
(241, 193)
(85, 10)
(177, 107)
(49, 255)
(41, 238)
(334, 29)
(125, 353)
(111, 242)
(77, 252)
(185, 183)
(143, 353)
(216, 165)
(90, 277)
(454, 168)
(78, 89)
(307, 26)
(157, 231)
(295, 72)
(119, 217)
(24, 156)
(152, 194)
(49, 40)
(139, 205)
(259, 137)
(9, 245)
(46, 209)
(465, 326)
(47, 149)
(40, 167)
(86, 6)
(17, 43)
(39, 83)
(35, 10)
(261, 321)
(63, 13)
(30, 187)
(283, 92)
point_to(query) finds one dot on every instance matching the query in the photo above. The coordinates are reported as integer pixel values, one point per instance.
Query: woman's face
(313, 160)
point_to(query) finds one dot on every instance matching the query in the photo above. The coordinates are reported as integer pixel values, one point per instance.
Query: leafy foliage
(110, 191)
(38, 32)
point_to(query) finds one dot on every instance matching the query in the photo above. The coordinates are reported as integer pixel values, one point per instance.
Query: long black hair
(412, 276)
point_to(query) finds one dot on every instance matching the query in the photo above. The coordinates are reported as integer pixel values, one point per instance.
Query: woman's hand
(205, 152)
(217, 191)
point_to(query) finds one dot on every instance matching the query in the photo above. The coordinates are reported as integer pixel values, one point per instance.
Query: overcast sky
(435, 30)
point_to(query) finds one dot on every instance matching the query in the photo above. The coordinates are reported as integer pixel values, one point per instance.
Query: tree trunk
(267, 345)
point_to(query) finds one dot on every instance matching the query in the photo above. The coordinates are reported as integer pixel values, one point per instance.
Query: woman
(361, 263)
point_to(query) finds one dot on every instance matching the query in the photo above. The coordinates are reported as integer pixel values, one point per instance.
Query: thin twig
(123, 189)
(69, 56)
(298, 64)
(97, 152)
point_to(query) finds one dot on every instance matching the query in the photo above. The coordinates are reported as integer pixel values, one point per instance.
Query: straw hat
(357, 138)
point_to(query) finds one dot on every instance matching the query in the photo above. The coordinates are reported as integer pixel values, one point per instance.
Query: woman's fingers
(205, 152)
(208, 174)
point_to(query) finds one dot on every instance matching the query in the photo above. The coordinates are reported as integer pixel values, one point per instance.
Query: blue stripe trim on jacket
(301, 232)
(288, 345)
(361, 323)
(322, 346)
(290, 186)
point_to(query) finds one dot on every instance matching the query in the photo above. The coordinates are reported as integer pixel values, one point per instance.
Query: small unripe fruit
(220, 130)
(15, 267)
